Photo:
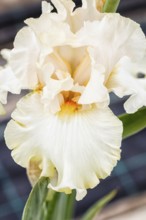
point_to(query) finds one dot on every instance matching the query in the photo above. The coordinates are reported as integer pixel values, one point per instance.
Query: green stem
(70, 206)
(59, 206)
(50, 206)
(111, 6)
(60, 209)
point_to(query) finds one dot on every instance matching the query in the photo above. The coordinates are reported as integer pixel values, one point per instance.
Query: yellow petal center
(69, 107)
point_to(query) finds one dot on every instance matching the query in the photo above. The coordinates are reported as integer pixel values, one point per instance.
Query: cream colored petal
(75, 18)
(91, 3)
(50, 32)
(95, 90)
(61, 10)
(46, 7)
(75, 150)
(5, 53)
(125, 38)
(83, 70)
(58, 62)
(51, 91)
(73, 56)
(135, 102)
(66, 12)
(44, 73)
(56, 86)
(24, 58)
(139, 67)
(87, 12)
(100, 34)
(123, 82)
(69, 5)
(8, 83)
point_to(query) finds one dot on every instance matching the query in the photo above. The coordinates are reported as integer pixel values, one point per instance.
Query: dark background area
(129, 177)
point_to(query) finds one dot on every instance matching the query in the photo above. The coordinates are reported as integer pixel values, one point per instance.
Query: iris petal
(82, 147)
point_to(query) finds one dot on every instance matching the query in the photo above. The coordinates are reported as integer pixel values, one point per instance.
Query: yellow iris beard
(69, 107)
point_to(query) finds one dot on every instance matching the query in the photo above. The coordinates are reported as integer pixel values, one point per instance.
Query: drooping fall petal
(75, 149)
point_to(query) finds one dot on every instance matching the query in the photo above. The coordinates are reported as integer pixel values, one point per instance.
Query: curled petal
(74, 150)
(112, 45)
(49, 39)
(123, 83)
(50, 96)
(61, 10)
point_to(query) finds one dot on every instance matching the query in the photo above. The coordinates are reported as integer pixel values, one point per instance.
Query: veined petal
(83, 69)
(75, 150)
(73, 56)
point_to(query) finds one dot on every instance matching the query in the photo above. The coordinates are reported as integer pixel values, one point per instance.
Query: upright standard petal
(122, 54)
(75, 149)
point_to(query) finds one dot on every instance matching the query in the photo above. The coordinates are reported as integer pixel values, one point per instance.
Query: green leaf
(111, 5)
(35, 206)
(133, 123)
(44, 204)
(97, 207)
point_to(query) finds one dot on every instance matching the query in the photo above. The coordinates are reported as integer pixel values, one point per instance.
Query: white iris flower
(71, 60)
